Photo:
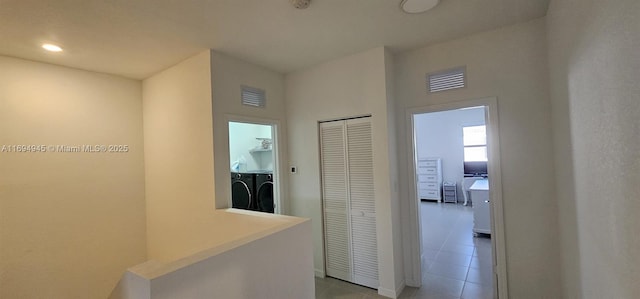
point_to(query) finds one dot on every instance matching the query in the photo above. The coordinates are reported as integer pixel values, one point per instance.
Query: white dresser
(430, 179)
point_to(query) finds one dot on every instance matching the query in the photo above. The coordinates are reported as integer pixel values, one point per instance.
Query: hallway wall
(178, 138)
(595, 66)
(228, 74)
(70, 222)
(509, 63)
(355, 85)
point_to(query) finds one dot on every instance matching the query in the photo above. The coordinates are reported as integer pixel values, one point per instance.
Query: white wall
(70, 222)
(243, 254)
(276, 266)
(178, 154)
(595, 66)
(509, 63)
(392, 154)
(228, 74)
(439, 134)
(350, 86)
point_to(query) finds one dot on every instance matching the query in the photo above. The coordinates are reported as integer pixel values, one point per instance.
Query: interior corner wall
(228, 74)
(350, 86)
(71, 221)
(178, 138)
(595, 66)
(509, 63)
(394, 196)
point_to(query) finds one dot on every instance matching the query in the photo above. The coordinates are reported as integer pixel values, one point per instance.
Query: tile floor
(455, 264)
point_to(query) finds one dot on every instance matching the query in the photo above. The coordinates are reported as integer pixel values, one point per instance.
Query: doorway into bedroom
(451, 163)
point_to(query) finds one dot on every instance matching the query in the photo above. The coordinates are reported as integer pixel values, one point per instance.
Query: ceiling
(137, 38)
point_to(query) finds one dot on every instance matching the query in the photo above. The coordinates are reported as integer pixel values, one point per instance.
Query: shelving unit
(263, 153)
(260, 150)
(450, 192)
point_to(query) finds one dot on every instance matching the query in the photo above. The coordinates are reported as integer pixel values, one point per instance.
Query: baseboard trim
(391, 293)
(400, 288)
(319, 273)
(387, 292)
(413, 283)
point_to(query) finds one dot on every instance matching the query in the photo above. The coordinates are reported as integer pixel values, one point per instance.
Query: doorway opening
(458, 227)
(253, 156)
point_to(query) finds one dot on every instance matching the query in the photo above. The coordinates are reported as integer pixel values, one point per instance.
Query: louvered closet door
(335, 193)
(348, 201)
(362, 203)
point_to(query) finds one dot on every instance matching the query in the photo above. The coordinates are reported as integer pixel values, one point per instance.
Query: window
(474, 139)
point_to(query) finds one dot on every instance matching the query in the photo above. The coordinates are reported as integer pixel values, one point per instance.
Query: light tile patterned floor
(456, 264)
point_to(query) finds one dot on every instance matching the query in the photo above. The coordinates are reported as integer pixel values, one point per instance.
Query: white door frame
(277, 170)
(495, 190)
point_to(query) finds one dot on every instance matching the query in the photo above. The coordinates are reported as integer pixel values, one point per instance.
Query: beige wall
(228, 74)
(70, 222)
(510, 64)
(595, 66)
(178, 155)
(350, 86)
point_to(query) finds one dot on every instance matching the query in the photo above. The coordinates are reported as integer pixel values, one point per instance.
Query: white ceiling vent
(253, 97)
(446, 80)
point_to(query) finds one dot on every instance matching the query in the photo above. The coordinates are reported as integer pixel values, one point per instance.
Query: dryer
(264, 193)
(242, 190)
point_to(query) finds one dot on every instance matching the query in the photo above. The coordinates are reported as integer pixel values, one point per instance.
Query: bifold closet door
(334, 195)
(361, 202)
(347, 168)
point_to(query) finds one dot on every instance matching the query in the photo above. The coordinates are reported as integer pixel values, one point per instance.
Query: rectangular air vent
(253, 97)
(446, 80)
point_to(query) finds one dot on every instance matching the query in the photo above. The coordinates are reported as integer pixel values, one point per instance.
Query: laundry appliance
(264, 192)
(253, 190)
(242, 190)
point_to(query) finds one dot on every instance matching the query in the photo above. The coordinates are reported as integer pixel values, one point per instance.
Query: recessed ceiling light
(300, 4)
(52, 48)
(418, 6)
